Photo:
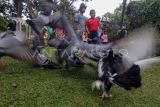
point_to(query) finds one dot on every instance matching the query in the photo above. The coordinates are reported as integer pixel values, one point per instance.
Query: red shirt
(92, 24)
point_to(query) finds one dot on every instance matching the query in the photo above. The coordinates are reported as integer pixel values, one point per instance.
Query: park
(75, 53)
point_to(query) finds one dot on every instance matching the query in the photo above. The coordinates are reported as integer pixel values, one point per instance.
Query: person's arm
(98, 23)
(76, 22)
(87, 30)
(76, 19)
(86, 24)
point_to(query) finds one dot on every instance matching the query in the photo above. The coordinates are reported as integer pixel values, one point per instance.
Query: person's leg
(90, 37)
(95, 37)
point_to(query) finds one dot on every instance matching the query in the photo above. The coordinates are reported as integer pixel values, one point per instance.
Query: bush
(3, 24)
(144, 12)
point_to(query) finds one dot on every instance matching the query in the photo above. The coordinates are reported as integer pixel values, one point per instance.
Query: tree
(3, 24)
(6, 8)
(28, 8)
(18, 4)
(144, 12)
(116, 21)
(123, 13)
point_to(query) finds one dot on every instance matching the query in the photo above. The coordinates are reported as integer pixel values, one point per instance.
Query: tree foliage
(6, 8)
(137, 14)
(19, 7)
(144, 12)
(3, 24)
(115, 19)
(28, 8)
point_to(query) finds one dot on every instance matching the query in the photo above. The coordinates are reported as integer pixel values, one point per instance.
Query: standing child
(80, 20)
(85, 37)
(92, 26)
(59, 33)
(104, 38)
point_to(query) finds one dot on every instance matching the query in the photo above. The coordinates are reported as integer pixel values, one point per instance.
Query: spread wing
(46, 5)
(12, 47)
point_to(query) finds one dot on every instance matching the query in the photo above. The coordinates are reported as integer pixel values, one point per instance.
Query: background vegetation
(3, 24)
(137, 14)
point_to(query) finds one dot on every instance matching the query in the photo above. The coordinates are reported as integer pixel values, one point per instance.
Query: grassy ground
(22, 85)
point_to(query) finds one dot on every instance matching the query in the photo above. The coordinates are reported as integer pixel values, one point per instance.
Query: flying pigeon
(14, 45)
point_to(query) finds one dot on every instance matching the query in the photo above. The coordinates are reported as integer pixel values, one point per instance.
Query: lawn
(22, 85)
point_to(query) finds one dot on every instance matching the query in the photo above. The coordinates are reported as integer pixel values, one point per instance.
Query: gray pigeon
(71, 44)
(14, 45)
(46, 6)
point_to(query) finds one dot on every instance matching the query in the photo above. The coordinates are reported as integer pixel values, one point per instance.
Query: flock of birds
(112, 66)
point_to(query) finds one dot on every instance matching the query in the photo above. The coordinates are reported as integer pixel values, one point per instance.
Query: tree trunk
(30, 9)
(18, 6)
(123, 12)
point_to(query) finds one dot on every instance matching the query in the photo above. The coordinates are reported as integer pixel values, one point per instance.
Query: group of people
(92, 30)
(49, 33)
(88, 29)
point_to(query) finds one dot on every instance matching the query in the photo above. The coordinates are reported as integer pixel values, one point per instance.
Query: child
(80, 20)
(92, 26)
(59, 33)
(85, 37)
(104, 38)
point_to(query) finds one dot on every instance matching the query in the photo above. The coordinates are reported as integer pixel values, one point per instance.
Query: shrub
(3, 24)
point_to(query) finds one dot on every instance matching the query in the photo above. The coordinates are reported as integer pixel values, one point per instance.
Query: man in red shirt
(92, 25)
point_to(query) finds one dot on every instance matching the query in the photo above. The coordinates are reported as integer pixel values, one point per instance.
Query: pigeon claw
(105, 95)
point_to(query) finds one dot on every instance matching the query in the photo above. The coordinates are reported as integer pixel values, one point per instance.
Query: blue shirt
(80, 22)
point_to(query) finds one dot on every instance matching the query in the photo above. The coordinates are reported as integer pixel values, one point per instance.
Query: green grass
(22, 85)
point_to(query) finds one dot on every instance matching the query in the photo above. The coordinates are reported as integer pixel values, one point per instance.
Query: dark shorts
(93, 37)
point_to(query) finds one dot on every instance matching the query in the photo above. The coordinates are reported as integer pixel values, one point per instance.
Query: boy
(80, 20)
(92, 26)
